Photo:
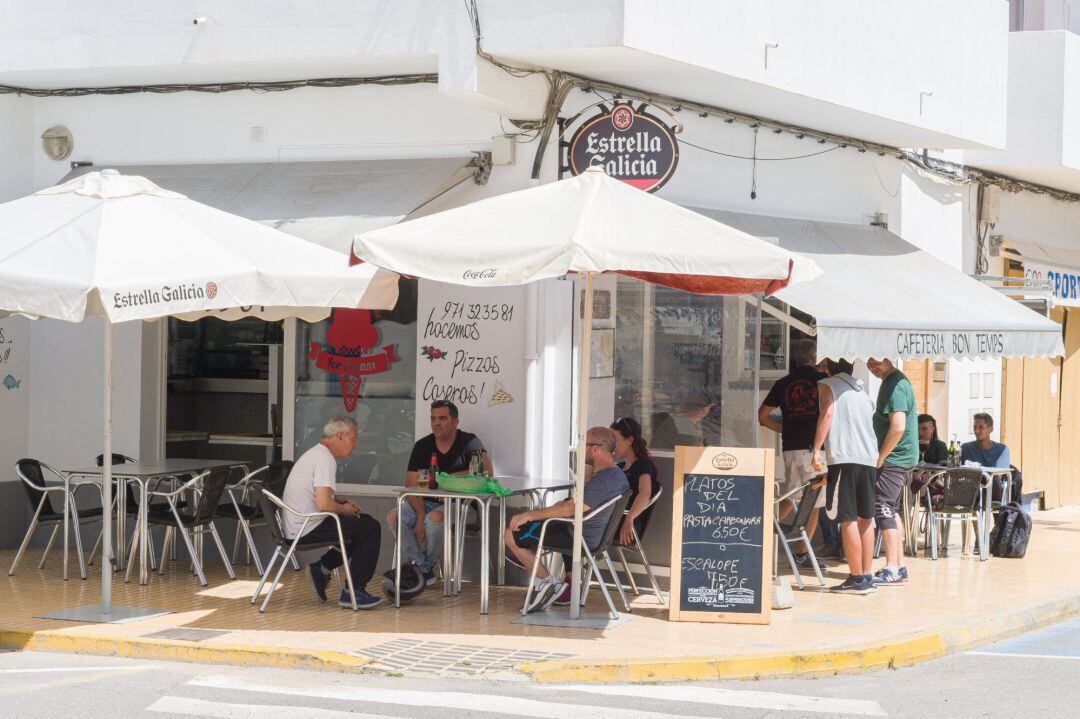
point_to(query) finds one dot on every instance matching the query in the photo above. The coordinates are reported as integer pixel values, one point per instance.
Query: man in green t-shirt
(896, 425)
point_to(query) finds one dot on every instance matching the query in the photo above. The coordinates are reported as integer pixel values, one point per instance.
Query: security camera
(201, 20)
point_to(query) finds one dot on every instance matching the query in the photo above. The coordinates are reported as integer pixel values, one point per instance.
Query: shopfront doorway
(223, 390)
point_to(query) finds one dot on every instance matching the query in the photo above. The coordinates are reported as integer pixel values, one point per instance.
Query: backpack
(1011, 532)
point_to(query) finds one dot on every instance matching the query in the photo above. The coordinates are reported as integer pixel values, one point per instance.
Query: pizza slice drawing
(500, 396)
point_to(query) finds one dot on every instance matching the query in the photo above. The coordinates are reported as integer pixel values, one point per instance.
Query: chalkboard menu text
(721, 543)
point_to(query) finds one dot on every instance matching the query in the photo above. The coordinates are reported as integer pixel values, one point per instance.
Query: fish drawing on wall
(11, 383)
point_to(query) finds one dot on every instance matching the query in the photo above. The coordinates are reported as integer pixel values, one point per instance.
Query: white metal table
(142, 473)
(455, 504)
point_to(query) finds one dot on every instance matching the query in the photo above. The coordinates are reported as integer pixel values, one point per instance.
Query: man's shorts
(889, 485)
(850, 492)
(559, 537)
(797, 471)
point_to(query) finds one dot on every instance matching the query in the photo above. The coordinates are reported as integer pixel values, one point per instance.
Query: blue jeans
(427, 557)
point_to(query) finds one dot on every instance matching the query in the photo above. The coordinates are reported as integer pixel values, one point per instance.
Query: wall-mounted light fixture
(57, 142)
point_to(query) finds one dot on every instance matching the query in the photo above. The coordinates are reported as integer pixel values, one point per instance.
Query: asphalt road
(1030, 675)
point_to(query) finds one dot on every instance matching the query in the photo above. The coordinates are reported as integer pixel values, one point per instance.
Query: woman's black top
(634, 472)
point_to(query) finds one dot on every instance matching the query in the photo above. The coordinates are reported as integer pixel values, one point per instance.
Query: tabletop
(163, 467)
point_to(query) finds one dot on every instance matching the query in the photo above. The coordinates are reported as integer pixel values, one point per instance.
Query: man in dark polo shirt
(452, 449)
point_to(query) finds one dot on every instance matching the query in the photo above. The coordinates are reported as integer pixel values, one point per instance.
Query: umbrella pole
(579, 454)
(757, 371)
(106, 482)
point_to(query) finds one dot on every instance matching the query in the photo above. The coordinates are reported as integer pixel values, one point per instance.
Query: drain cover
(409, 655)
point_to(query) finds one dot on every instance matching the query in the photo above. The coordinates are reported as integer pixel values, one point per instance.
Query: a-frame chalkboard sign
(722, 535)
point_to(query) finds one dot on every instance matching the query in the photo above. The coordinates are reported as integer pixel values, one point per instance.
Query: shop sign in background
(629, 143)
(470, 344)
(1064, 282)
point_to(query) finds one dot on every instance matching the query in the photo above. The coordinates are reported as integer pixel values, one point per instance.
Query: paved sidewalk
(949, 605)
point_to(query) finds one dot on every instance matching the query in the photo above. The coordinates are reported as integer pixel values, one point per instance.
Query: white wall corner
(464, 76)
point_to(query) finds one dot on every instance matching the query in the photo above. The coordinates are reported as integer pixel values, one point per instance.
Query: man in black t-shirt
(452, 449)
(796, 396)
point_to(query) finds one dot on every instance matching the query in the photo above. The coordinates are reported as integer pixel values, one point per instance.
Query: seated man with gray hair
(310, 488)
(523, 533)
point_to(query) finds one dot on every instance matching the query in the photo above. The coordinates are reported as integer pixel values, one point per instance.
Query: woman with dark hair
(934, 451)
(640, 471)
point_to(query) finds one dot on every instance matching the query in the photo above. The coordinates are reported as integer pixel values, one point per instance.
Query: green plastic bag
(471, 484)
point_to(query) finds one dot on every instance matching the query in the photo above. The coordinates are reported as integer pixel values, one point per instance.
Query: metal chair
(245, 509)
(793, 528)
(636, 546)
(32, 474)
(271, 505)
(962, 501)
(209, 486)
(617, 505)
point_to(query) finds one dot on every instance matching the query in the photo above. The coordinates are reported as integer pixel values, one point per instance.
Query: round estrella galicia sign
(630, 145)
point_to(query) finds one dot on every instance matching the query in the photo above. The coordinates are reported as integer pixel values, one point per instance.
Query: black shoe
(318, 578)
(855, 585)
(803, 561)
(544, 596)
(363, 600)
(429, 578)
(884, 577)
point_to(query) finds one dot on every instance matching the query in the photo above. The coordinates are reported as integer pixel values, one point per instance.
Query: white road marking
(76, 669)
(1023, 656)
(733, 698)
(493, 703)
(200, 707)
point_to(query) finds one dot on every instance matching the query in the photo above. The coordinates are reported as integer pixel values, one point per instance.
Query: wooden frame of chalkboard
(722, 535)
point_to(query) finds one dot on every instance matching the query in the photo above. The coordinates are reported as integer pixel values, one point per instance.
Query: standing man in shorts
(796, 395)
(896, 424)
(845, 434)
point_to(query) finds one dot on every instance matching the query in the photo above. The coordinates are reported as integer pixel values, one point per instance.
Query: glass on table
(423, 478)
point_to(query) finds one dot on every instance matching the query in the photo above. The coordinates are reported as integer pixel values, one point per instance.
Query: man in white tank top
(845, 434)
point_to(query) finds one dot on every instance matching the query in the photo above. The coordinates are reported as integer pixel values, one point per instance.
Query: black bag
(1011, 532)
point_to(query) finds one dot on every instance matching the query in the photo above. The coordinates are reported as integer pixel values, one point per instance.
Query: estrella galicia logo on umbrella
(166, 294)
(630, 144)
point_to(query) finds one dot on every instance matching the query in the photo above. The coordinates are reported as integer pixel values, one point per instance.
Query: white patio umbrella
(587, 224)
(122, 248)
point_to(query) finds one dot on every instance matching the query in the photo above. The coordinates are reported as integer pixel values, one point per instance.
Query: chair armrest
(247, 478)
(183, 488)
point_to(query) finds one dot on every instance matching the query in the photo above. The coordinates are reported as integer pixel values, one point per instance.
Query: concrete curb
(171, 650)
(904, 651)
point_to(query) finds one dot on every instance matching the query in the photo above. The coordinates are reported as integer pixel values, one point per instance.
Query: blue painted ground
(1057, 640)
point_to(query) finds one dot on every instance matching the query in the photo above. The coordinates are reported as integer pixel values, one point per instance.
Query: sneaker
(563, 600)
(363, 600)
(803, 561)
(855, 585)
(543, 596)
(318, 577)
(885, 577)
(429, 578)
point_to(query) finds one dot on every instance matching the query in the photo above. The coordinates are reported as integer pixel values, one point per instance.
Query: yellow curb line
(172, 650)
(901, 652)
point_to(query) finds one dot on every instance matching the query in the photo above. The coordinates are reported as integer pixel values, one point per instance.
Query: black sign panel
(721, 535)
(628, 143)
(722, 531)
